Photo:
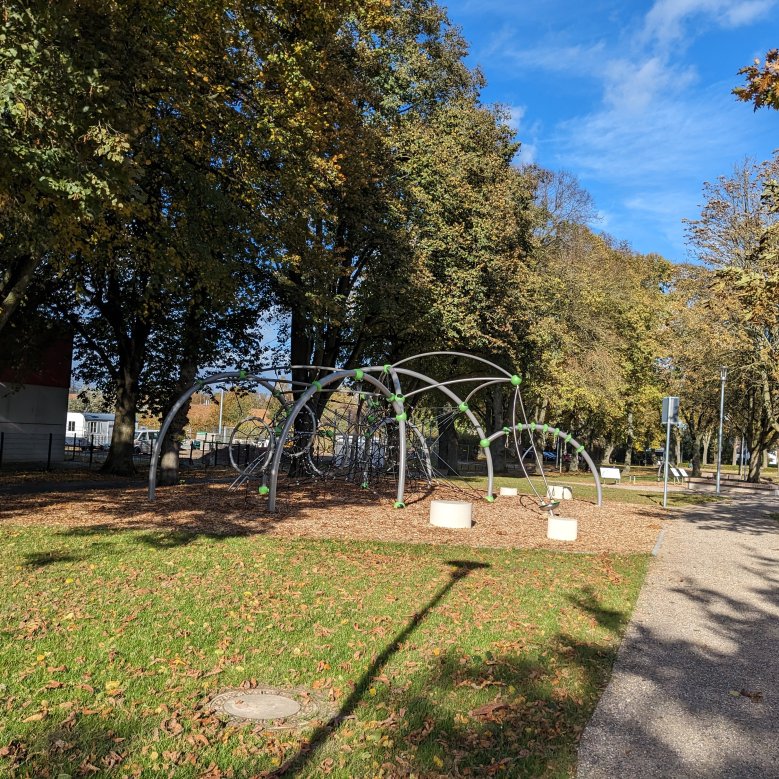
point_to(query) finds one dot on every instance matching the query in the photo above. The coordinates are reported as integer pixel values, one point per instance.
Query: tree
(736, 237)
(699, 341)
(61, 157)
(762, 87)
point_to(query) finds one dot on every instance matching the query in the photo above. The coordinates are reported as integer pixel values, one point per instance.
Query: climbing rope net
(387, 424)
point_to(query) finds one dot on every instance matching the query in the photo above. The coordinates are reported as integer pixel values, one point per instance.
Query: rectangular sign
(671, 408)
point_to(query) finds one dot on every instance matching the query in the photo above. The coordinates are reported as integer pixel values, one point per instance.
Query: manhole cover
(258, 705)
(273, 708)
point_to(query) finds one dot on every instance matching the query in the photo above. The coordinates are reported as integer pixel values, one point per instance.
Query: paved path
(706, 627)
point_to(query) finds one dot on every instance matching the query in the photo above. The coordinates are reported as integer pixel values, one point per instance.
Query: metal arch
(452, 354)
(441, 386)
(533, 426)
(301, 401)
(179, 404)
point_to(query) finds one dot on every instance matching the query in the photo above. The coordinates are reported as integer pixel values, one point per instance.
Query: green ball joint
(263, 490)
(489, 498)
(516, 380)
(399, 504)
(402, 417)
(484, 443)
(463, 407)
(359, 374)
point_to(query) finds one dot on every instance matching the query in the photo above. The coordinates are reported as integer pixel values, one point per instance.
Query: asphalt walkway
(695, 689)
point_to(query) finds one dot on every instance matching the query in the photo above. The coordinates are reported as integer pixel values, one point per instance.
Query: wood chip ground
(340, 511)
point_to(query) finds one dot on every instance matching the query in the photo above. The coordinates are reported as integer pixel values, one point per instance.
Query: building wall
(33, 412)
(28, 417)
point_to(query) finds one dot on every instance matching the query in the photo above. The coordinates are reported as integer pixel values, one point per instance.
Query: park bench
(675, 475)
(611, 473)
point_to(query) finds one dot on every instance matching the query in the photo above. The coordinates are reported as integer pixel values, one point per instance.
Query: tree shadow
(298, 762)
(53, 556)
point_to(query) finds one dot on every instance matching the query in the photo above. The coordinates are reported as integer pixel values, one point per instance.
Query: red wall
(54, 367)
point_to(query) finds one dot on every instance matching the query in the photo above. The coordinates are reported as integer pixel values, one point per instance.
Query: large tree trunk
(13, 283)
(498, 446)
(736, 450)
(447, 461)
(607, 451)
(120, 455)
(696, 454)
(629, 439)
(706, 443)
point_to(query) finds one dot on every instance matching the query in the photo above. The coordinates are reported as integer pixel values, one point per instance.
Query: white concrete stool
(562, 528)
(508, 492)
(454, 514)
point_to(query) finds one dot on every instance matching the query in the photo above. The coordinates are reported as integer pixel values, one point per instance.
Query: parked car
(144, 441)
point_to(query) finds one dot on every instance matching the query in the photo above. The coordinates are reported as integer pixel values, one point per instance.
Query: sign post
(670, 417)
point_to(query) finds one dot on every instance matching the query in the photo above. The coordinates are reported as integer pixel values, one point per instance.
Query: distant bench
(611, 473)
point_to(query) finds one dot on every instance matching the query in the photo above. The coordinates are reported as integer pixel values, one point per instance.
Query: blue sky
(634, 98)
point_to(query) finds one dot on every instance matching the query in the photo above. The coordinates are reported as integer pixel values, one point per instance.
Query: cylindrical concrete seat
(562, 528)
(454, 514)
(558, 492)
(509, 492)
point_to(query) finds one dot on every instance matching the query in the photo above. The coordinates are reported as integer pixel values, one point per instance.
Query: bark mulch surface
(339, 511)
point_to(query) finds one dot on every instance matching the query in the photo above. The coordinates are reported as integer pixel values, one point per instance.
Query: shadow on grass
(297, 763)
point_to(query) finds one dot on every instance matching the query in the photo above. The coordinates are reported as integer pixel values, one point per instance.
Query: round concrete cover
(260, 706)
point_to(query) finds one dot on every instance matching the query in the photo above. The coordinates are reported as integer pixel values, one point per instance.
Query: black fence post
(48, 458)
(191, 447)
(2, 445)
(91, 450)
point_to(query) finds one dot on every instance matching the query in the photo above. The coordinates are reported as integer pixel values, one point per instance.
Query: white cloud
(666, 21)
(516, 112)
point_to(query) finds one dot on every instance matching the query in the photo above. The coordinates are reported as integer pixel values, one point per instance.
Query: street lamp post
(723, 375)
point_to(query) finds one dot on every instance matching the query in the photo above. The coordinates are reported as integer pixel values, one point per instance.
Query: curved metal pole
(488, 380)
(301, 401)
(557, 432)
(178, 405)
(458, 402)
(452, 354)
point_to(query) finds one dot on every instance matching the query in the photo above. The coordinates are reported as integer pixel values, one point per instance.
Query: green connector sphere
(490, 498)
(359, 374)
(484, 443)
(506, 430)
(399, 504)
(364, 485)
(241, 374)
(317, 384)
(516, 380)
(391, 398)
(386, 368)
(400, 398)
(263, 490)
(402, 417)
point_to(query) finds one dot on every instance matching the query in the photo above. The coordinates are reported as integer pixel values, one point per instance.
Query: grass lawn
(584, 489)
(441, 661)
